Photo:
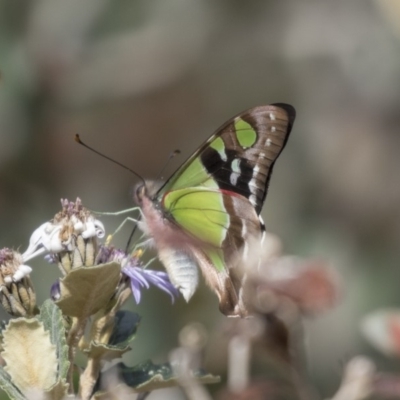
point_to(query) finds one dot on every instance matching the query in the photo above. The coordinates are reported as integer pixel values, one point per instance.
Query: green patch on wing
(219, 145)
(245, 134)
(200, 212)
(193, 175)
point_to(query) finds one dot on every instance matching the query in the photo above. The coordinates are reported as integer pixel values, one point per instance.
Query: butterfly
(207, 213)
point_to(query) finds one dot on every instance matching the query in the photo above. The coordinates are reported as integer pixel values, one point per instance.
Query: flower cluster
(84, 311)
(70, 237)
(16, 291)
(70, 240)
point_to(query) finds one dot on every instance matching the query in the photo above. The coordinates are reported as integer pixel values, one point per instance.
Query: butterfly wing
(216, 195)
(240, 156)
(222, 226)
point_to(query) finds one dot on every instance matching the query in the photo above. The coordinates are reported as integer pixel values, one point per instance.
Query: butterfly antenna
(171, 156)
(78, 140)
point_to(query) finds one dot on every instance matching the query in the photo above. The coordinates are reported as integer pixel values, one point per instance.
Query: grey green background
(140, 79)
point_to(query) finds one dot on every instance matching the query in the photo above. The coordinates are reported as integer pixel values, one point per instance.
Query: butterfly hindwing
(222, 226)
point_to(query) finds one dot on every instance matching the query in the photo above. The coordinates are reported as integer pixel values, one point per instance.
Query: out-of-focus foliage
(140, 79)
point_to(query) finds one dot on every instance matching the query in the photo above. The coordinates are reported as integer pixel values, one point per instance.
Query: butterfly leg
(134, 220)
(143, 243)
(149, 262)
(116, 213)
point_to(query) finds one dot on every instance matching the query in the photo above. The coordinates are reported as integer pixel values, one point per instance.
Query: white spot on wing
(235, 166)
(233, 178)
(268, 143)
(273, 128)
(272, 117)
(253, 200)
(223, 155)
(253, 185)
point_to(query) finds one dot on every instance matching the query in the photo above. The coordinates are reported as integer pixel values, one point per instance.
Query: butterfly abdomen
(182, 270)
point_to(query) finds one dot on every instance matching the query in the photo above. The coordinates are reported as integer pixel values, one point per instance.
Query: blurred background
(140, 79)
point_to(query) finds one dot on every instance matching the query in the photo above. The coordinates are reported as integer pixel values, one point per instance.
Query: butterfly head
(139, 193)
(146, 190)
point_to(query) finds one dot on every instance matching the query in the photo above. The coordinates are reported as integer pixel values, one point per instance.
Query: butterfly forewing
(239, 157)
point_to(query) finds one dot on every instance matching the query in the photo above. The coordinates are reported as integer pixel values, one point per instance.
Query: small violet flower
(142, 278)
(138, 276)
(55, 291)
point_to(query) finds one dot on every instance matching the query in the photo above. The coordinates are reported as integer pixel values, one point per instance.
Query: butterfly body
(207, 214)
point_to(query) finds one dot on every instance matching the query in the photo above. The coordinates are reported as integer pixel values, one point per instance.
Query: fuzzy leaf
(7, 385)
(126, 324)
(29, 354)
(105, 352)
(52, 319)
(58, 391)
(147, 376)
(86, 290)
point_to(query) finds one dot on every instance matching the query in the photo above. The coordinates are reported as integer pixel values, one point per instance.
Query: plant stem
(89, 378)
(74, 335)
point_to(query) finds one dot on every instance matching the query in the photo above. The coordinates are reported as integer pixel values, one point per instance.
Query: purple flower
(55, 291)
(138, 276)
(142, 278)
(110, 253)
(51, 258)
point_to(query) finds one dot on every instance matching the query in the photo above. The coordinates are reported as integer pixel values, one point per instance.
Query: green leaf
(147, 376)
(126, 324)
(125, 327)
(7, 385)
(86, 290)
(52, 319)
(29, 354)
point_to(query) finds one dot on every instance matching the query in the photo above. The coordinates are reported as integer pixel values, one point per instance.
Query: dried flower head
(16, 291)
(12, 268)
(70, 237)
